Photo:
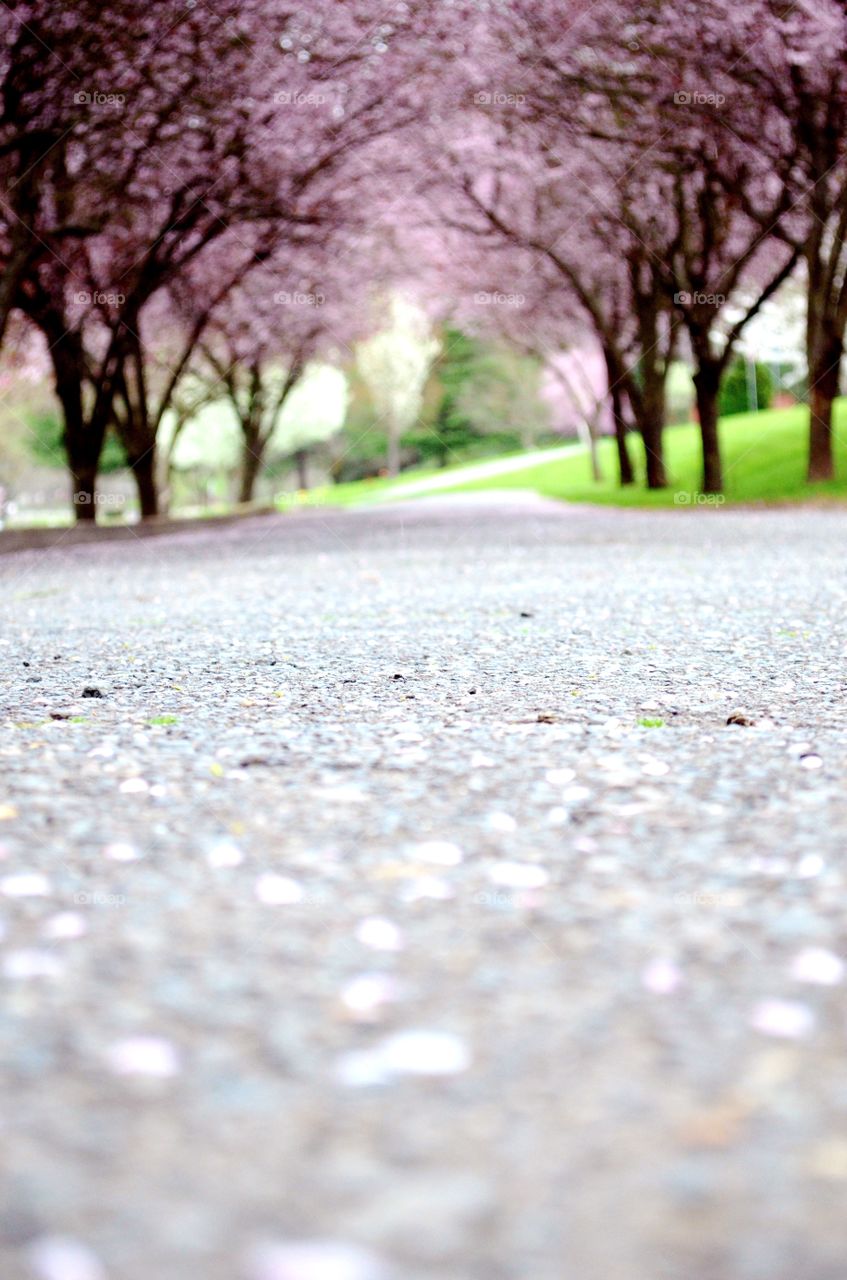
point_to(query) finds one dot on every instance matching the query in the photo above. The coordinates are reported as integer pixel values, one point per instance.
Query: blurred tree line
(480, 398)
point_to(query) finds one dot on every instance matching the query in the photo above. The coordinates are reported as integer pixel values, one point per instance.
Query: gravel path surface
(404, 907)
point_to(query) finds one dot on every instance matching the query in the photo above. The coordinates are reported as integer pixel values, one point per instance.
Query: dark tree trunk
(144, 474)
(625, 471)
(824, 372)
(651, 433)
(707, 382)
(301, 459)
(135, 428)
(644, 382)
(251, 465)
(647, 400)
(652, 425)
(645, 389)
(83, 489)
(83, 440)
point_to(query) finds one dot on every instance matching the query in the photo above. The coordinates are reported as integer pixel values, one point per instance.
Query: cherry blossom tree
(789, 85)
(260, 339)
(247, 121)
(610, 151)
(568, 217)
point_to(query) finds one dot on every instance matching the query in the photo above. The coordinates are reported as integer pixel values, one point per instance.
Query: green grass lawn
(342, 495)
(764, 457)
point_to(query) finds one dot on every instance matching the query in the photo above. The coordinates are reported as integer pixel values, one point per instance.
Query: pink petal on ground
(442, 852)
(518, 875)
(787, 1019)
(426, 887)
(424, 1053)
(814, 964)
(65, 924)
(313, 1260)
(366, 995)
(662, 977)
(61, 1258)
(121, 851)
(32, 964)
(224, 853)
(503, 823)
(278, 891)
(361, 1069)
(379, 934)
(25, 884)
(134, 786)
(144, 1056)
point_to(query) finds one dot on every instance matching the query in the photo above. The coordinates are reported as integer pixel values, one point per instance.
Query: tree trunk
(301, 459)
(83, 489)
(824, 375)
(144, 474)
(644, 380)
(393, 454)
(625, 471)
(651, 433)
(251, 465)
(646, 394)
(707, 381)
(83, 441)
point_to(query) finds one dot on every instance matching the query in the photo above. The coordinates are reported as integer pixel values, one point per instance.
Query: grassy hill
(764, 458)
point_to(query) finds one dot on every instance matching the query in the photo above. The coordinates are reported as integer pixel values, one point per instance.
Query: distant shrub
(45, 443)
(735, 389)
